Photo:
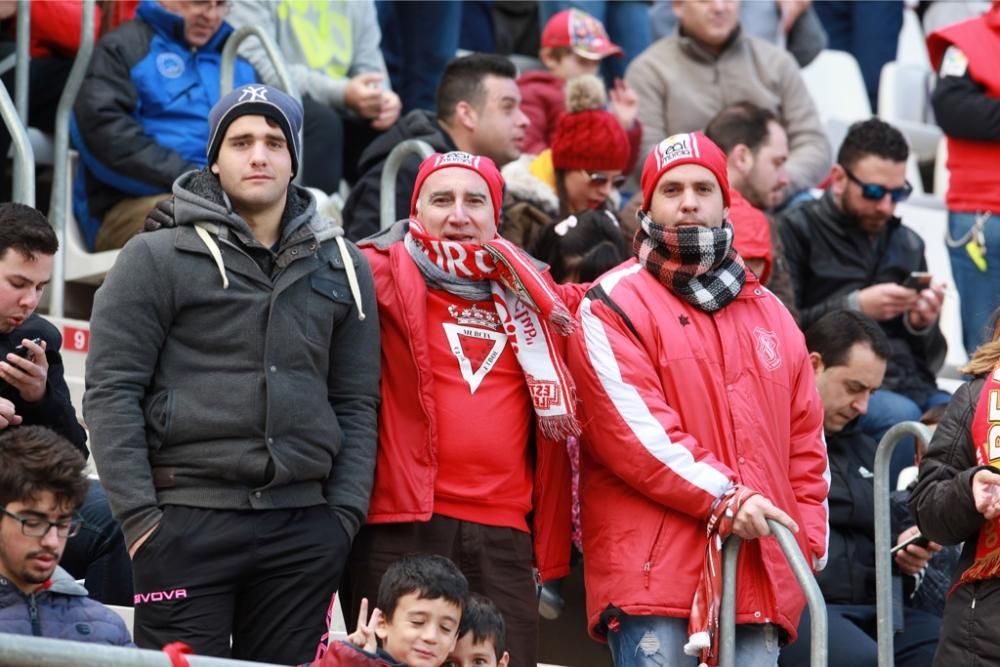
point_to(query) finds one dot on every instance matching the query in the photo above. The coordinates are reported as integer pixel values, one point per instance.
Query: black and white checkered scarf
(697, 264)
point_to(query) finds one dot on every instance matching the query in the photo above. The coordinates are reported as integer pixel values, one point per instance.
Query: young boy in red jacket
(573, 43)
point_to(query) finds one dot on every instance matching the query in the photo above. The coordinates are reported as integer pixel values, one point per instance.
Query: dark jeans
(333, 141)
(885, 410)
(263, 578)
(496, 561)
(851, 633)
(97, 554)
(418, 40)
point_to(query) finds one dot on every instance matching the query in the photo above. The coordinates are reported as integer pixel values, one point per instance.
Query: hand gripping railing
(25, 651)
(227, 69)
(802, 571)
(387, 189)
(59, 202)
(883, 534)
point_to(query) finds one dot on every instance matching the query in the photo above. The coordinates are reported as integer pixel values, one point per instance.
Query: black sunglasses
(599, 178)
(875, 192)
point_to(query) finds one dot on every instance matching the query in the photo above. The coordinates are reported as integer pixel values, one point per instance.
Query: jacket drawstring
(213, 249)
(352, 274)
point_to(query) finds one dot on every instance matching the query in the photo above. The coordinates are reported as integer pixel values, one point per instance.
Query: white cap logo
(254, 94)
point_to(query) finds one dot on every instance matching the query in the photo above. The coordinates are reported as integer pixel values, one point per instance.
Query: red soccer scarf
(703, 625)
(986, 439)
(520, 295)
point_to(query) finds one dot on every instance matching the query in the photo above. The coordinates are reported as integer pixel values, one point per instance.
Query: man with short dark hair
(33, 391)
(232, 391)
(756, 149)
(42, 484)
(848, 251)
(478, 112)
(848, 351)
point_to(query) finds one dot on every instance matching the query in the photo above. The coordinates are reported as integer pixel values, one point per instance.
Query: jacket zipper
(647, 567)
(36, 626)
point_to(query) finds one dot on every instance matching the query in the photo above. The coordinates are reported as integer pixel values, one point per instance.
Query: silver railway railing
(25, 651)
(803, 573)
(23, 62)
(883, 534)
(227, 69)
(387, 188)
(24, 154)
(59, 202)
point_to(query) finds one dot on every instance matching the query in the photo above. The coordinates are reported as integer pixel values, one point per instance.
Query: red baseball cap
(580, 32)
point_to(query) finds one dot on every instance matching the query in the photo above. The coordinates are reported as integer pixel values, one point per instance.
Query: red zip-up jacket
(678, 405)
(406, 466)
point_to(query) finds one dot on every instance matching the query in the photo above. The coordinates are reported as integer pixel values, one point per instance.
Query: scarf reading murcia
(697, 264)
(703, 624)
(527, 306)
(985, 429)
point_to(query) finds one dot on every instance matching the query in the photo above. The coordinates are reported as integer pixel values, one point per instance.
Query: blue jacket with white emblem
(140, 118)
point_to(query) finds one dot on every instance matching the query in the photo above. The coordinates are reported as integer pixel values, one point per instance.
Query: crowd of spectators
(635, 296)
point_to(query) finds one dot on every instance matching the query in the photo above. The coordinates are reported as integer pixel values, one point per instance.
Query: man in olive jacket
(232, 393)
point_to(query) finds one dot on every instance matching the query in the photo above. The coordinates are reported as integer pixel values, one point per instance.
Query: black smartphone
(918, 280)
(23, 351)
(918, 539)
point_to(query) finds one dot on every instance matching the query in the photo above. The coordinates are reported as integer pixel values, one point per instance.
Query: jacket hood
(523, 185)
(199, 198)
(418, 124)
(171, 26)
(61, 582)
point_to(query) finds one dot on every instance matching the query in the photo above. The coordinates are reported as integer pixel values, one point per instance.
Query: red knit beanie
(690, 148)
(587, 136)
(477, 163)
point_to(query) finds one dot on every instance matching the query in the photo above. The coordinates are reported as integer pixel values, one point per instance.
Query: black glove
(161, 216)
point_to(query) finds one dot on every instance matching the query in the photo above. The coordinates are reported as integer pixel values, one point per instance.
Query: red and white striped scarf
(527, 306)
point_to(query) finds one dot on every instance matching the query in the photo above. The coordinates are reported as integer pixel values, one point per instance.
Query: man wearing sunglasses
(847, 250)
(42, 485)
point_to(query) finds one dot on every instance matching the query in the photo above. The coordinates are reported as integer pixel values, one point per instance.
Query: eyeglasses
(221, 7)
(36, 527)
(600, 178)
(875, 192)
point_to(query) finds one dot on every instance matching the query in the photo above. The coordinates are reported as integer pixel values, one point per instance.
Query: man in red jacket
(967, 107)
(701, 419)
(476, 401)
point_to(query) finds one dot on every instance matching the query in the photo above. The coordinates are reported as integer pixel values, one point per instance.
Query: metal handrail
(22, 177)
(818, 650)
(24, 154)
(883, 534)
(27, 651)
(227, 69)
(387, 188)
(59, 202)
(23, 63)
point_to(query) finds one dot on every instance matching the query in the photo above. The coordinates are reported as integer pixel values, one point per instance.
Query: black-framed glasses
(600, 178)
(875, 192)
(33, 526)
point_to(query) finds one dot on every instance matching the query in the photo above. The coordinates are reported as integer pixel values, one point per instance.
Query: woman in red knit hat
(580, 171)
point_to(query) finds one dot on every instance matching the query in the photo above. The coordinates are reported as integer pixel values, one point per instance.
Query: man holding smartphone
(33, 392)
(849, 250)
(848, 351)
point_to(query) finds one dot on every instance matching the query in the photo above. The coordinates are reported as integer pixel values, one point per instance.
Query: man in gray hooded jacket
(232, 392)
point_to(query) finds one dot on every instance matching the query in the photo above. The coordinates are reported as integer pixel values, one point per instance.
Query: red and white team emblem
(475, 341)
(767, 348)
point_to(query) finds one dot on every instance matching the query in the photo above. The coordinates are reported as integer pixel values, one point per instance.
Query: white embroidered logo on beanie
(253, 94)
(676, 147)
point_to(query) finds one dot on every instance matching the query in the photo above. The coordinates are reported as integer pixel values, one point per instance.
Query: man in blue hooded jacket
(140, 116)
